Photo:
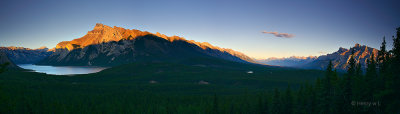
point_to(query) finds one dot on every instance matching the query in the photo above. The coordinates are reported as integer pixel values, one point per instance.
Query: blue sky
(318, 26)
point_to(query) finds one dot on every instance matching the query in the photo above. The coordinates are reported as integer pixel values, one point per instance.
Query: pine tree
(358, 71)
(265, 107)
(371, 80)
(396, 65)
(3, 67)
(348, 84)
(382, 57)
(383, 67)
(336, 91)
(389, 95)
(310, 99)
(3, 107)
(276, 102)
(360, 88)
(320, 104)
(262, 106)
(327, 89)
(301, 101)
(392, 90)
(338, 98)
(371, 76)
(351, 64)
(396, 51)
(288, 101)
(359, 84)
(329, 74)
(335, 78)
(215, 104)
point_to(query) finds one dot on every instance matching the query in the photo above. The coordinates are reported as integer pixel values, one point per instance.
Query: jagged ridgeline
(340, 58)
(21, 55)
(110, 46)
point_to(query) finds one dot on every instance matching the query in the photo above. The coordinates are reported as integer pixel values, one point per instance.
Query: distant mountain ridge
(339, 59)
(293, 61)
(109, 46)
(21, 55)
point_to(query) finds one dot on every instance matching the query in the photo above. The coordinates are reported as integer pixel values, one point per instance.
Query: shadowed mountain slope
(4, 59)
(107, 46)
(21, 55)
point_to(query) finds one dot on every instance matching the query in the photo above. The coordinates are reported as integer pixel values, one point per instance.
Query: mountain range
(293, 61)
(339, 59)
(111, 46)
(21, 55)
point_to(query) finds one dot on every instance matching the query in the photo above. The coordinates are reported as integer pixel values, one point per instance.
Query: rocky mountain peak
(340, 58)
(99, 26)
(117, 41)
(341, 50)
(357, 45)
(103, 33)
(43, 48)
(100, 34)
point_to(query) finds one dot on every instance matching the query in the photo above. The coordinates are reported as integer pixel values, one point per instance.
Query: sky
(259, 29)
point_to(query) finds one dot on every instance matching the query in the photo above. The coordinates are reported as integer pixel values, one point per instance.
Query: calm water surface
(62, 70)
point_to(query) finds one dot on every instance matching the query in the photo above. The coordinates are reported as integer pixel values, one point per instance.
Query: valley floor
(150, 88)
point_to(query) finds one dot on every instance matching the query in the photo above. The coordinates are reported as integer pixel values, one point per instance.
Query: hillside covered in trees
(218, 89)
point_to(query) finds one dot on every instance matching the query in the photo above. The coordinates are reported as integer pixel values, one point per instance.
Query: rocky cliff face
(108, 46)
(341, 57)
(21, 55)
(101, 34)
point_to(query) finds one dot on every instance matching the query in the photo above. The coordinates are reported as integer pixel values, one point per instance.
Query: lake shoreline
(62, 70)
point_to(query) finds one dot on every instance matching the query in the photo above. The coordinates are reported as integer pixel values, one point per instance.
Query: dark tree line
(372, 91)
(3, 67)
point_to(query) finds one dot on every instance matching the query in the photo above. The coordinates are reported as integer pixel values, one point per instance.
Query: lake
(62, 70)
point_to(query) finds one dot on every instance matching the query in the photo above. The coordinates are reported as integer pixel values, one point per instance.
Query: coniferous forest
(371, 90)
(199, 57)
